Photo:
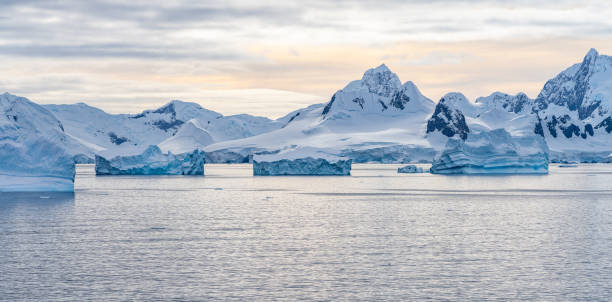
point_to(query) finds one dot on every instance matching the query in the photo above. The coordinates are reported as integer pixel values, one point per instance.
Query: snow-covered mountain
(456, 117)
(575, 109)
(123, 134)
(372, 119)
(33, 148)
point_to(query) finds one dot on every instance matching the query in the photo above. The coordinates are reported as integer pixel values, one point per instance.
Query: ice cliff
(300, 161)
(152, 162)
(493, 152)
(33, 145)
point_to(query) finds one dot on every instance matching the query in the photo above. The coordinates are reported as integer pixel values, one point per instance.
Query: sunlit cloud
(271, 57)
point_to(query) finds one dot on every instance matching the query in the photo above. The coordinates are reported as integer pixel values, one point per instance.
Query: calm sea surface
(375, 235)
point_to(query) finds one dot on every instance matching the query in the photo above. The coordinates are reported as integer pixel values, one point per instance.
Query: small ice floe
(568, 166)
(410, 169)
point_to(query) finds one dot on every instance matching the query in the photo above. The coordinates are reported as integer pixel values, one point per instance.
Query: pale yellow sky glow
(273, 57)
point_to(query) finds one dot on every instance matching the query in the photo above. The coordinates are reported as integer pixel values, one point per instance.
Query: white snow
(366, 115)
(95, 131)
(152, 162)
(189, 137)
(33, 154)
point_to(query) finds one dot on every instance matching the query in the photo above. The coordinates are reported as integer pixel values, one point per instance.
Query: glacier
(410, 169)
(493, 152)
(374, 119)
(33, 149)
(94, 131)
(300, 161)
(152, 162)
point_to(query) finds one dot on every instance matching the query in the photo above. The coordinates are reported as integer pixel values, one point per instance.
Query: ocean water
(374, 236)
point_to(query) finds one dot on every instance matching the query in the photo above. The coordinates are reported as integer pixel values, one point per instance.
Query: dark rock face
(166, 109)
(382, 104)
(520, 103)
(169, 123)
(399, 100)
(448, 121)
(568, 128)
(538, 127)
(290, 120)
(606, 124)
(359, 101)
(329, 105)
(165, 125)
(117, 140)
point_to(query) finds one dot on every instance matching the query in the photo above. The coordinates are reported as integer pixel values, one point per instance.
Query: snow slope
(33, 148)
(189, 137)
(128, 134)
(372, 119)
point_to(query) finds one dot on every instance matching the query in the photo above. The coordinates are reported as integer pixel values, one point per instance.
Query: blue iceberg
(153, 162)
(493, 152)
(33, 149)
(410, 169)
(300, 161)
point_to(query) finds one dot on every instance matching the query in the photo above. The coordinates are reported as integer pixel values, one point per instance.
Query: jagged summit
(583, 88)
(379, 91)
(512, 103)
(448, 118)
(591, 53)
(576, 105)
(381, 81)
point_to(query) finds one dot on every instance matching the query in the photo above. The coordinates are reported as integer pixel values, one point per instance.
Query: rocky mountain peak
(381, 81)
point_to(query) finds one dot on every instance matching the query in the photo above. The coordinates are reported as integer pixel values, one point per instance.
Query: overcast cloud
(270, 57)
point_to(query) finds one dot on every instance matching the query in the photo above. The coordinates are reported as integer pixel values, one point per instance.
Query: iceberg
(33, 155)
(493, 152)
(152, 162)
(300, 161)
(410, 169)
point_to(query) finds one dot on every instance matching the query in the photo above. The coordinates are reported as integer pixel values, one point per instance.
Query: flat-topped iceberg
(410, 169)
(33, 155)
(493, 152)
(152, 162)
(301, 161)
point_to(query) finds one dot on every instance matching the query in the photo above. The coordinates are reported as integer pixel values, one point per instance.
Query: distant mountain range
(374, 119)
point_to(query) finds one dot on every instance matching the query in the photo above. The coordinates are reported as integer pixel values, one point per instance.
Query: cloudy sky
(268, 58)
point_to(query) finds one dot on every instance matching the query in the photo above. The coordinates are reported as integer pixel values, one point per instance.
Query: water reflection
(35, 198)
